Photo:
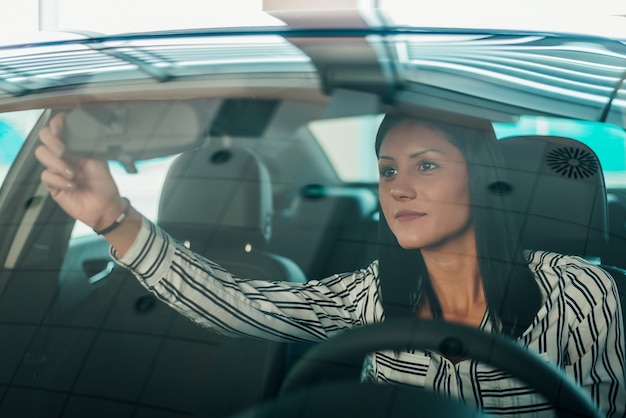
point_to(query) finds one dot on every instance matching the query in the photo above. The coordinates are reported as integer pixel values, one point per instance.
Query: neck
(455, 277)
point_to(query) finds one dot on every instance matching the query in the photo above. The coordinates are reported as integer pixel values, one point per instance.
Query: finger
(53, 162)
(55, 181)
(50, 135)
(51, 141)
(57, 124)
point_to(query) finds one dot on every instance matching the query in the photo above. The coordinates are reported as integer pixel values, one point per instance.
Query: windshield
(195, 211)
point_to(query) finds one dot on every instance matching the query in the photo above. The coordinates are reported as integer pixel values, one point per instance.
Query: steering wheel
(303, 396)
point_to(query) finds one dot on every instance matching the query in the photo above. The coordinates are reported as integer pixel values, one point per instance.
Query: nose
(402, 190)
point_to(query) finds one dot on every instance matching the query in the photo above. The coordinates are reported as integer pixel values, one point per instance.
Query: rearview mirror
(132, 131)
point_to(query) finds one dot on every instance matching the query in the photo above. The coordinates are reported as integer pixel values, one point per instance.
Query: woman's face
(423, 188)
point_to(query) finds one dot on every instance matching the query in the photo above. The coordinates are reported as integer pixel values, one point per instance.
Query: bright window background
(599, 17)
(14, 127)
(24, 18)
(349, 145)
(607, 141)
(143, 189)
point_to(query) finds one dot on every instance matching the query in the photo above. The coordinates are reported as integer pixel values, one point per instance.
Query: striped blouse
(579, 326)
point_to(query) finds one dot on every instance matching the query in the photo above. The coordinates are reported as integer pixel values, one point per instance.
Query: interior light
(248, 248)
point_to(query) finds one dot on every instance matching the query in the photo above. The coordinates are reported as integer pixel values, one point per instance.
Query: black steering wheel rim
(449, 339)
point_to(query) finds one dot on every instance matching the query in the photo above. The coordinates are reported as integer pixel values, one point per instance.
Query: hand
(82, 187)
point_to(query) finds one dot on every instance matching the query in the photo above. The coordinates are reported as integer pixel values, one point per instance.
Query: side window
(143, 188)
(357, 134)
(608, 141)
(14, 128)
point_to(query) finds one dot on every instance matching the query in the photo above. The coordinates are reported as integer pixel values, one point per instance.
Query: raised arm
(191, 284)
(283, 311)
(85, 189)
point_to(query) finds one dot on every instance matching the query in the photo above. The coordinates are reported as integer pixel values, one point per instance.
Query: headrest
(556, 194)
(217, 198)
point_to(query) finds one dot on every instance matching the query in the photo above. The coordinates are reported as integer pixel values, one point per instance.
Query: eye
(426, 165)
(387, 171)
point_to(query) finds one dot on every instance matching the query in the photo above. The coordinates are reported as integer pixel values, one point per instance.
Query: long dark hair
(512, 293)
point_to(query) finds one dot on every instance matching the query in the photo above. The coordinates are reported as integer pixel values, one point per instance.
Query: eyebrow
(415, 154)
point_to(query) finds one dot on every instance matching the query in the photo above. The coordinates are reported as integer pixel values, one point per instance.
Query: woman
(446, 252)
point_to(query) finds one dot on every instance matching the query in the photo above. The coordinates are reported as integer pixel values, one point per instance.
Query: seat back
(220, 204)
(340, 230)
(556, 194)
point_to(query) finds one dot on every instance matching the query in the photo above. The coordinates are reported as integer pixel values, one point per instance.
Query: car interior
(263, 200)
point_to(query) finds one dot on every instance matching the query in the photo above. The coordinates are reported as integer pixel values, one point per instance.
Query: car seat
(339, 225)
(219, 203)
(556, 194)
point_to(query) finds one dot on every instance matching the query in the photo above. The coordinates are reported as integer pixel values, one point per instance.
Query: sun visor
(132, 131)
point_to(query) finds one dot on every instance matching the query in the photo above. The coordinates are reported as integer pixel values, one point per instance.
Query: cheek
(459, 192)
(451, 199)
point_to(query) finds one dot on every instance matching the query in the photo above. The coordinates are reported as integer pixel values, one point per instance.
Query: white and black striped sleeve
(214, 298)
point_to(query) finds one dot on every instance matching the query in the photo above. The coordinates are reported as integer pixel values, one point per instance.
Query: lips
(408, 215)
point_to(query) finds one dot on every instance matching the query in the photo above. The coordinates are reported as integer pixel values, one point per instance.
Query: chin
(409, 244)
